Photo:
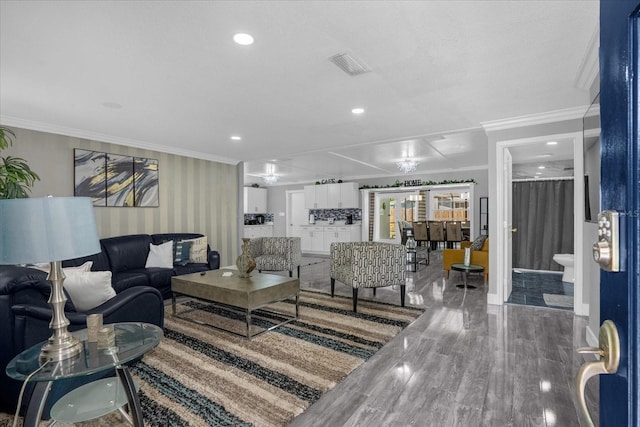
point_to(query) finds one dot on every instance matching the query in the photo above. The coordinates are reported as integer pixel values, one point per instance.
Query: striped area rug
(199, 376)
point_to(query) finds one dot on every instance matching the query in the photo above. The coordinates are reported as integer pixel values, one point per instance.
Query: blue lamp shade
(47, 229)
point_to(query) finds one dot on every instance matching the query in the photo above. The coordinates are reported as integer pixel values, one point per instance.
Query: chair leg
(291, 273)
(298, 272)
(355, 300)
(333, 286)
(402, 290)
(259, 271)
(374, 292)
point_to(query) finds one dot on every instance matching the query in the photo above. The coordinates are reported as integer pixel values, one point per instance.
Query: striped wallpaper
(198, 196)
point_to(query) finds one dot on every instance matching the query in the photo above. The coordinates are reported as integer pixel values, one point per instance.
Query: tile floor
(541, 289)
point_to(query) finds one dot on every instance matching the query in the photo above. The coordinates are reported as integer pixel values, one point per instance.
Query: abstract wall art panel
(90, 175)
(119, 180)
(145, 182)
(116, 180)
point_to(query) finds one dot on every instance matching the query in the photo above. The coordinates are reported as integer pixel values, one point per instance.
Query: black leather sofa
(25, 313)
(126, 256)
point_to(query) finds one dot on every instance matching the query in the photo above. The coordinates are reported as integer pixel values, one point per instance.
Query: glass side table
(465, 270)
(132, 340)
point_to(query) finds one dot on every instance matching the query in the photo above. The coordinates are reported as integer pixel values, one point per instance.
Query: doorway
(297, 214)
(500, 287)
(389, 210)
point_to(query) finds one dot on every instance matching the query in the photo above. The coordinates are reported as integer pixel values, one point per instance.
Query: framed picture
(145, 182)
(90, 175)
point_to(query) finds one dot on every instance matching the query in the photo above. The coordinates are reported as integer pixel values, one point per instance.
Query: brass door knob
(609, 352)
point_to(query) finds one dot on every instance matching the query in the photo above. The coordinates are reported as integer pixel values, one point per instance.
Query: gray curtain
(543, 215)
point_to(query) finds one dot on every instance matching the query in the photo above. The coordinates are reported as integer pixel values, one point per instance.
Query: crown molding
(93, 136)
(535, 119)
(589, 68)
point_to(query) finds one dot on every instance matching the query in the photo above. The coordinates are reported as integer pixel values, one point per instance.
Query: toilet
(565, 260)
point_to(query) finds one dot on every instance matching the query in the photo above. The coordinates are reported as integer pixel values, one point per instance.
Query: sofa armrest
(213, 259)
(294, 254)
(136, 304)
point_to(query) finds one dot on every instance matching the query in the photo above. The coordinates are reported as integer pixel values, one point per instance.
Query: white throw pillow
(45, 266)
(160, 255)
(89, 289)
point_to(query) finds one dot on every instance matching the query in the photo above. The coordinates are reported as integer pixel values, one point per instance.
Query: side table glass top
(468, 268)
(133, 339)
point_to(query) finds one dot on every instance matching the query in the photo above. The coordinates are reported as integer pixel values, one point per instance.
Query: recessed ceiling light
(236, 138)
(538, 173)
(552, 143)
(540, 167)
(113, 105)
(243, 39)
(358, 111)
(545, 155)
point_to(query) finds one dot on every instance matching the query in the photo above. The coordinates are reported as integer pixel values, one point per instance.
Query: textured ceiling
(166, 75)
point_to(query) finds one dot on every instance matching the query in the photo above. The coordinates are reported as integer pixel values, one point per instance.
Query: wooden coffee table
(243, 294)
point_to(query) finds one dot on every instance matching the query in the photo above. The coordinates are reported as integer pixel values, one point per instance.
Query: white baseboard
(582, 310)
(494, 299)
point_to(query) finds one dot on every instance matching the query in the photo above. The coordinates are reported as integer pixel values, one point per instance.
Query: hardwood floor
(462, 363)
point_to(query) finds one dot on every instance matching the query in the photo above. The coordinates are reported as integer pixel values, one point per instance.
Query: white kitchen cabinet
(311, 239)
(339, 234)
(332, 196)
(317, 239)
(255, 200)
(315, 196)
(253, 231)
(349, 195)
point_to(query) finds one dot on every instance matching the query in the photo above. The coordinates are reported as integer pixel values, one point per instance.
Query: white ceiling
(166, 75)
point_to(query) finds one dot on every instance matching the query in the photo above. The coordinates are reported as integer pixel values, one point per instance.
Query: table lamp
(49, 229)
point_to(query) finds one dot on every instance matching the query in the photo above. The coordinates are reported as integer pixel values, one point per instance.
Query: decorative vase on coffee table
(245, 261)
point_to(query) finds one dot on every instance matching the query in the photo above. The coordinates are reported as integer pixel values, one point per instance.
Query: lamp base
(63, 348)
(61, 345)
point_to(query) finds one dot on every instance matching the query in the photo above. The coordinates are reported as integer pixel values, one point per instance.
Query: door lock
(609, 352)
(606, 251)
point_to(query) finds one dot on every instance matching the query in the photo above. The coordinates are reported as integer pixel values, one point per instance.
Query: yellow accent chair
(456, 256)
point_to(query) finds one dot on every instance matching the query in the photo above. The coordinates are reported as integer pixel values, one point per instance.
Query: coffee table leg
(248, 324)
(297, 306)
(173, 303)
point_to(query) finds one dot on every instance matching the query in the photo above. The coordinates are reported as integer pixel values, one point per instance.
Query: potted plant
(16, 177)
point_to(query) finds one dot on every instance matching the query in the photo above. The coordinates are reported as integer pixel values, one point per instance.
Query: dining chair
(436, 233)
(453, 234)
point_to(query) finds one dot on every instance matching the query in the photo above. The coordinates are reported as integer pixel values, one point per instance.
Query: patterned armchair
(368, 265)
(277, 254)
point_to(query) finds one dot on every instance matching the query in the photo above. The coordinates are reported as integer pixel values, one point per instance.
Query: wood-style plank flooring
(462, 363)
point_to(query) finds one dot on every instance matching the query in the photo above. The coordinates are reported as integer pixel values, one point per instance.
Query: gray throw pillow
(477, 244)
(181, 253)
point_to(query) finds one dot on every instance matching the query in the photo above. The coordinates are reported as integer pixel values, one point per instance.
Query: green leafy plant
(16, 177)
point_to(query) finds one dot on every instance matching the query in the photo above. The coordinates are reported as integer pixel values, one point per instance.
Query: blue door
(620, 191)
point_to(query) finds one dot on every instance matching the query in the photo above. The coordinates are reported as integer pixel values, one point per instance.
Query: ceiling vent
(349, 64)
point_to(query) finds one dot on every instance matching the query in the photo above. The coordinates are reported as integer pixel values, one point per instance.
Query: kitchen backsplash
(248, 218)
(336, 214)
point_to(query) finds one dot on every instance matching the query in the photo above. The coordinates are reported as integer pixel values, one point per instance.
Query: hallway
(461, 363)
